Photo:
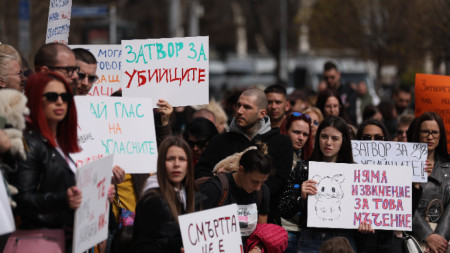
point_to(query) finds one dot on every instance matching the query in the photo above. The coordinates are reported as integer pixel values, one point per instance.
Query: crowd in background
(252, 148)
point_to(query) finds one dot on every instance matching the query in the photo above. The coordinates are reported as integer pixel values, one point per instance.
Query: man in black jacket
(250, 125)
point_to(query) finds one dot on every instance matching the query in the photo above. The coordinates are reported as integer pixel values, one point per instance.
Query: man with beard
(249, 126)
(278, 104)
(59, 58)
(402, 99)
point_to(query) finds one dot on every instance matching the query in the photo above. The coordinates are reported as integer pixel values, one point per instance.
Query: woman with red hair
(46, 179)
(297, 126)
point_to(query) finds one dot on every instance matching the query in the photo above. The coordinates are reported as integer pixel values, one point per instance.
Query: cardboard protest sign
(348, 194)
(175, 69)
(212, 230)
(432, 94)
(121, 126)
(6, 217)
(409, 154)
(108, 68)
(58, 25)
(91, 218)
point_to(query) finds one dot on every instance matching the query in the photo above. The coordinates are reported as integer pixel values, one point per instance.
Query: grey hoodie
(264, 127)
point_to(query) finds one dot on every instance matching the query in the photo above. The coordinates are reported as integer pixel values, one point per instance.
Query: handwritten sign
(91, 218)
(348, 194)
(212, 230)
(58, 25)
(6, 217)
(432, 94)
(176, 69)
(409, 154)
(108, 68)
(121, 126)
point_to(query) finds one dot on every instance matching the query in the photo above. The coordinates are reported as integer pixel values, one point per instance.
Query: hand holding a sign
(436, 243)
(308, 188)
(365, 228)
(74, 197)
(118, 175)
(165, 110)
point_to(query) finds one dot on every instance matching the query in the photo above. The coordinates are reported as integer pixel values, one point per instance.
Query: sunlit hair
(257, 160)
(373, 122)
(286, 125)
(66, 132)
(441, 149)
(315, 110)
(345, 154)
(166, 187)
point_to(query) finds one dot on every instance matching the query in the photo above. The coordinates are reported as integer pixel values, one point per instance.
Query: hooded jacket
(234, 141)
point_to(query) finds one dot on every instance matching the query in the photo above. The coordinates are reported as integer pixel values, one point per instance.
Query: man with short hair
(332, 77)
(278, 104)
(59, 58)
(403, 123)
(402, 99)
(251, 125)
(88, 67)
(11, 74)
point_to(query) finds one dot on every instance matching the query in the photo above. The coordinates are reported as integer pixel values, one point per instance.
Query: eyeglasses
(316, 123)
(426, 133)
(200, 144)
(328, 77)
(368, 137)
(91, 78)
(53, 96)
(69, 69)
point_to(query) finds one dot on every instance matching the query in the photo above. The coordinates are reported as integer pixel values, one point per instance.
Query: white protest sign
(413, 155)
(175, 69)
(212, 230)
(58, 25)
(348, 194)
(6, 217)
(115, 125)
(108, 68)
(91, 218)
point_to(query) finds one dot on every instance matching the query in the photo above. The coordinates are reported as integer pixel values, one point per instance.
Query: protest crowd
(253, 149)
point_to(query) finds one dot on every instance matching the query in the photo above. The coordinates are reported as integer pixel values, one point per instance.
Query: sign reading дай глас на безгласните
(174, 69)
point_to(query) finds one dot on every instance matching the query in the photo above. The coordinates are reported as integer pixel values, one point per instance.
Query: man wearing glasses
(88, 67)
(59, 58)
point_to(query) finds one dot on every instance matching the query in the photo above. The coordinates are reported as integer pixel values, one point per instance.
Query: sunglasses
(91, 78)
(368, 137)
(200, 144)
(53, 96)
(401, 132)
(69, 69)
(298, 115)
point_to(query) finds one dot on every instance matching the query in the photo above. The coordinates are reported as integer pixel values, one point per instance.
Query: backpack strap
(225, 189)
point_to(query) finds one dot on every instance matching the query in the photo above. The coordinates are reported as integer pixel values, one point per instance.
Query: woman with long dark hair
(46, 179)
(434, 201)
(330, 104)
(332, 145)
(156, 227)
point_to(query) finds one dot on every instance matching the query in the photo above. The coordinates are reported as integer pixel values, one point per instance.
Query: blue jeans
(311, 239)
(292, 242)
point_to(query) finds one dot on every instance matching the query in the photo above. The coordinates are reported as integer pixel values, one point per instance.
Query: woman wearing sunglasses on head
(46, 179)
(435, 194)
(297, 126)
(316, 118)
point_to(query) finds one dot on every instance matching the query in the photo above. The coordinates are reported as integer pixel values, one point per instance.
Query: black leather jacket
(437, 187)
(43, 179)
